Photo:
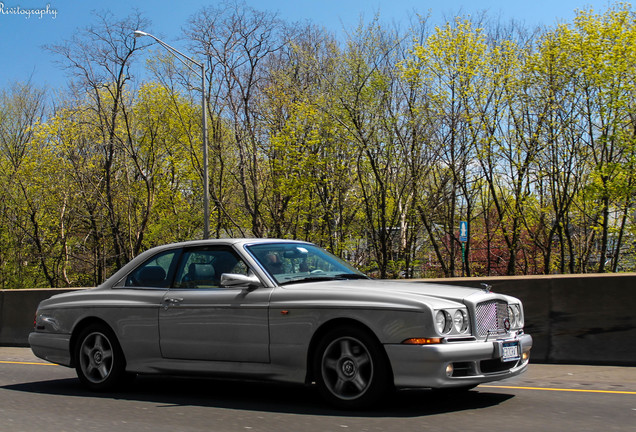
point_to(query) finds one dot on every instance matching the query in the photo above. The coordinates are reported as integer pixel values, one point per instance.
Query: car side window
(203, 267)
(154, 273)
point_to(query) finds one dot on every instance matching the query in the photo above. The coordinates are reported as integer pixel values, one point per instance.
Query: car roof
(221, 241)
(231, 241)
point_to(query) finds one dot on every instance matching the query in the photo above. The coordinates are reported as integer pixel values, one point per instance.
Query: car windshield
(289, 263)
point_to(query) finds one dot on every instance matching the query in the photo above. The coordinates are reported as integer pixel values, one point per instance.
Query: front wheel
(99, 360)
(351, 368)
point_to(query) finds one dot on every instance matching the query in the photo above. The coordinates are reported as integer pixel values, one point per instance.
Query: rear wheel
(351, 369)
(99, 360)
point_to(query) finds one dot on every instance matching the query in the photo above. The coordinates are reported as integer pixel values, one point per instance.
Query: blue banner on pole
(463, 231)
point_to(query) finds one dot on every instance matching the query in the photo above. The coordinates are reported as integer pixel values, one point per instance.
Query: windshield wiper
(310, 279)
(342, 276)
(351, 276)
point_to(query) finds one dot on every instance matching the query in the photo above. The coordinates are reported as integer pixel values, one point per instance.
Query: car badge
(486, 287)
(506, 324)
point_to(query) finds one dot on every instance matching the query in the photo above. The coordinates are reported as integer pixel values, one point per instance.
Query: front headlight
(460, 321)
(515, 315)
(442, 322)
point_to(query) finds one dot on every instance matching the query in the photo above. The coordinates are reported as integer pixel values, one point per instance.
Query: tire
(351, 369)
(99, 360)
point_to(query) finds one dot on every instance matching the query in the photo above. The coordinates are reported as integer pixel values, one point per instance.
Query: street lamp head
(139, 33)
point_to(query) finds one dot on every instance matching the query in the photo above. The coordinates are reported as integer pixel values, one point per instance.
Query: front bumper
(474, 362)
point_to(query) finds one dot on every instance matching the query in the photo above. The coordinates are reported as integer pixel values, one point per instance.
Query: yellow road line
(482, 386)
(26, 363)
(561, 390)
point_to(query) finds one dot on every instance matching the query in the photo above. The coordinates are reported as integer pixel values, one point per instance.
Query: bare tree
(99, 58)
(22, 108)
(236, 41)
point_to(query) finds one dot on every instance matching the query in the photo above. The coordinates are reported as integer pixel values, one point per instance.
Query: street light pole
(206, 179)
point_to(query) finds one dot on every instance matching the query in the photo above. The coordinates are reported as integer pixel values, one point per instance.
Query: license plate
(510, 351)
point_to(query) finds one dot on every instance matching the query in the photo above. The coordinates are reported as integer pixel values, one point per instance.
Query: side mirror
(231, 280)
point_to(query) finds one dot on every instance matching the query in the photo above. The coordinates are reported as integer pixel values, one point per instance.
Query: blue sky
(22, 36)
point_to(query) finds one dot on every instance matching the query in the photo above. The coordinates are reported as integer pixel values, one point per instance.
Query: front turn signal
(422, 341)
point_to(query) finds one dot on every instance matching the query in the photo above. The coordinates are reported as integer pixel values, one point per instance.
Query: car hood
(384, 293)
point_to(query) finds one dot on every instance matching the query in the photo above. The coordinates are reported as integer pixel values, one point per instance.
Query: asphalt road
(39, 397)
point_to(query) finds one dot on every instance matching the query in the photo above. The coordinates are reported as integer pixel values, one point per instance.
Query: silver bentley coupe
(280, 310)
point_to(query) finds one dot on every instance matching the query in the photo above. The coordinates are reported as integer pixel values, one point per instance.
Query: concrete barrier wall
(578, 319)
(17, 311)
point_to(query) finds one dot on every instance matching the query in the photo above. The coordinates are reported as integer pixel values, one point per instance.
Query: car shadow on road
(266, 397)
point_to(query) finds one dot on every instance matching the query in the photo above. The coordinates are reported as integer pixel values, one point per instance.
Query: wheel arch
(328, 326)
(77, 330)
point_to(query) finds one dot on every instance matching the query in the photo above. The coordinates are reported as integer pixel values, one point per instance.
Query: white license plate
(510, 351)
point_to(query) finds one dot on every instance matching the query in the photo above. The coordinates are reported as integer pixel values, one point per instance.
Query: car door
(200, 320)
(141, 293)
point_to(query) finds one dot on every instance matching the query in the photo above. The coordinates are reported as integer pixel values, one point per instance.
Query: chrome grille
(490, 317)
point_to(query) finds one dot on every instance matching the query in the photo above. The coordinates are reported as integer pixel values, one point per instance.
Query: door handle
(173, 301)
